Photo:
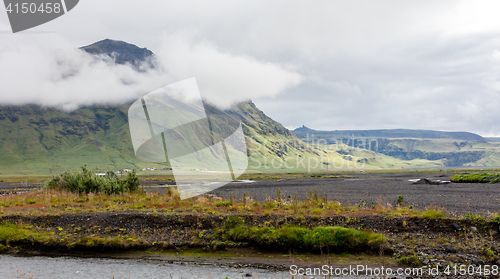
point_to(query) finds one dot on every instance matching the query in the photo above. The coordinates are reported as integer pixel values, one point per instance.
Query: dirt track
(369, 187)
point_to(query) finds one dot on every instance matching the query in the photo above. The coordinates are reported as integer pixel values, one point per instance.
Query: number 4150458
(471, 270)
(33, 8)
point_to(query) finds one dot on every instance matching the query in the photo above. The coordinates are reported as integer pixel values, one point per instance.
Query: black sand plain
(372, 189)
(363, 188)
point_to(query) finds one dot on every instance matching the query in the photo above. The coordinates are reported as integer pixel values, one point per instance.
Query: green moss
(11, 233)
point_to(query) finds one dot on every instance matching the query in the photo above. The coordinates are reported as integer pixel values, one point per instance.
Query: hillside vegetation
(445, 149)
(49, 141)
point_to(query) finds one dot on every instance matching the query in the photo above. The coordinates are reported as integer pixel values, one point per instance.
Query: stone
(449, 249)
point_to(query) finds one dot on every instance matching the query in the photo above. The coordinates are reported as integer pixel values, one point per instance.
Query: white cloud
(35, 70)
(223, 78)
(44, 74)
(363, 64)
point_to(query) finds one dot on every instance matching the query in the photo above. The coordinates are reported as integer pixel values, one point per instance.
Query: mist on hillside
(56, 75)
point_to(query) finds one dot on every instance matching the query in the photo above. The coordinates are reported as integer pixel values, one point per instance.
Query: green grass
(12, 233)
(432, 214)
(412, 260)
(476, 178)
(495, 219)
(288, 236)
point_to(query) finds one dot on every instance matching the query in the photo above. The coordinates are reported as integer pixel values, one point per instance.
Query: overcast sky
(324, 64)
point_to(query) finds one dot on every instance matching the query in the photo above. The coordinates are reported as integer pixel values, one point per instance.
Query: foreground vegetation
(55, 220)
(334, 239)
(55, 201)
(73, 213)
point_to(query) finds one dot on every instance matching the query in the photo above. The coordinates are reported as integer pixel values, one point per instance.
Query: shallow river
(101, 268)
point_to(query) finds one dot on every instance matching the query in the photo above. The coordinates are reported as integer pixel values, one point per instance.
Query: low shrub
(86, 181)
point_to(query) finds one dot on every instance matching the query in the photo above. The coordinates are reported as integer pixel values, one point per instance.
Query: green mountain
(44, 140)
(303, 131)
(448, 149)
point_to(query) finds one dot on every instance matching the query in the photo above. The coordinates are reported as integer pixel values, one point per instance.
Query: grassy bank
(476, 178)
(411, 240)
(266, 236)
(334, 239)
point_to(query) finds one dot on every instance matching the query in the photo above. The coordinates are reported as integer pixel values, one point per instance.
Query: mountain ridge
(46, 140)
(301, 132)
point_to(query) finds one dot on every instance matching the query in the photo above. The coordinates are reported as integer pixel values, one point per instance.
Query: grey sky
(324, 64)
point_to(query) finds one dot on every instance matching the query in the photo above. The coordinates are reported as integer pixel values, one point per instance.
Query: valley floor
(423, 225)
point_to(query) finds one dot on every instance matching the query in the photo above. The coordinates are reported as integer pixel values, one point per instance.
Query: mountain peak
(122, 52)
(303, 129)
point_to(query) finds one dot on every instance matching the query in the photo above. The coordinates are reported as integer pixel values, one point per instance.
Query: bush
(86, 181)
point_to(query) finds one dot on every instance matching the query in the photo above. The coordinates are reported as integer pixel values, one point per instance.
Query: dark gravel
(372, 187)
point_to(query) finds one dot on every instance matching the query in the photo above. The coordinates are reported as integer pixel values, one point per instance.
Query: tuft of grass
(412, 260)
(433, 213)
(223, 203)
(495, 219)
(473, 216)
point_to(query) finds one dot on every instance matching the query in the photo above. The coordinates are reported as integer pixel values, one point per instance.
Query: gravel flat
(371, 188)
(363, 187)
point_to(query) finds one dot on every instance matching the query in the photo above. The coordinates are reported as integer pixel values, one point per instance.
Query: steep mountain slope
(42, 140)
(35, 139)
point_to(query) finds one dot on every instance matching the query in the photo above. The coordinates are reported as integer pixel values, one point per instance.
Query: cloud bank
(46, 74)
(325, 64)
